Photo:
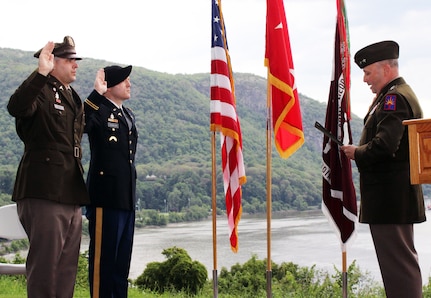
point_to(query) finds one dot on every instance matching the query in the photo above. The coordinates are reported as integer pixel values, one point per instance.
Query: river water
(304, 240)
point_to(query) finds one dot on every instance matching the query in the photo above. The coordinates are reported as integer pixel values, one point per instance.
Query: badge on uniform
(390, 103)
(56, 95)
(112, 122)
(58, 107)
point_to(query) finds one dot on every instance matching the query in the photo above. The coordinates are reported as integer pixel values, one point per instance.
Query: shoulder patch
(390, 102)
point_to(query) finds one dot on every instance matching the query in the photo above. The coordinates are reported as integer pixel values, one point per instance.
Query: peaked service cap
(65, 49)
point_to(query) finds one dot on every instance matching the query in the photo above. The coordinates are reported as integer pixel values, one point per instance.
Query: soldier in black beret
(384, 50)
(111, 181)
(49, 186)
(390, 204)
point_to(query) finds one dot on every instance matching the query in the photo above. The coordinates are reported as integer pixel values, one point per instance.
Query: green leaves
(177, 273)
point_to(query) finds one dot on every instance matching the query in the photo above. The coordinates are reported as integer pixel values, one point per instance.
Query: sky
(174, 36)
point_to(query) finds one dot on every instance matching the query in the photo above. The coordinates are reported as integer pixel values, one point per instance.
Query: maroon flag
(339, 196)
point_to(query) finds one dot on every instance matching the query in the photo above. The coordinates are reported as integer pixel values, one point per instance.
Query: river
(304, 240)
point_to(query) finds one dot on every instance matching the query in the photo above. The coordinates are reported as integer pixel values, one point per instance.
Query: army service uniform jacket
(50, 121)
(382, 158)
(111, 179)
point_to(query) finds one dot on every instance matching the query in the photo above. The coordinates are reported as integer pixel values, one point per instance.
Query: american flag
(286, 112)
(339, 196)
(225, 120)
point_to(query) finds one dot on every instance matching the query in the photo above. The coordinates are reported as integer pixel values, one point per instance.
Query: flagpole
(268, 191)
(214, 214)
(342, 25)
(344, 257)
(284, 116)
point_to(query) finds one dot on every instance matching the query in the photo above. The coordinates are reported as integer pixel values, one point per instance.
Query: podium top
(416, 121)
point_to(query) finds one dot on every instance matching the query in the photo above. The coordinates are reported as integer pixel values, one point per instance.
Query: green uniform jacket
(50, 122)
(382, 157)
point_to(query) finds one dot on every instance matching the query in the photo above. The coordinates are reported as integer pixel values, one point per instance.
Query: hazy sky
(174, 36)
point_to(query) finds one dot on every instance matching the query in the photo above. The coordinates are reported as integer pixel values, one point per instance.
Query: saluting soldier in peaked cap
(49, 187)
(111, 181)
(389, 203)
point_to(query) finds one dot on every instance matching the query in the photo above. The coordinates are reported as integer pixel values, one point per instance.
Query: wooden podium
(420, 150)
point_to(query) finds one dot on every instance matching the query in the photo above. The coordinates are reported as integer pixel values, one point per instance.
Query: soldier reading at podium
(390, 204)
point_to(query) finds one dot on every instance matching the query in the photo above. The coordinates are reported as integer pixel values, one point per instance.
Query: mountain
(174, 149)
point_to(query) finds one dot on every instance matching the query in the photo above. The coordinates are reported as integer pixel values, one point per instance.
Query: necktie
(128, 119)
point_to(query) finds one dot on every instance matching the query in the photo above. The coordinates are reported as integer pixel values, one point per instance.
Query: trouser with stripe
(111, 240)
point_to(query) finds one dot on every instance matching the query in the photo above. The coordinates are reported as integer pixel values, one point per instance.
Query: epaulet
(92, 105)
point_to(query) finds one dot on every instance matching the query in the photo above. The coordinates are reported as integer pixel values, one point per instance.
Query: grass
(14, 287)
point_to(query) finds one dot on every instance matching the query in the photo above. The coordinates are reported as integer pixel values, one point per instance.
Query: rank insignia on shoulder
(390, 103)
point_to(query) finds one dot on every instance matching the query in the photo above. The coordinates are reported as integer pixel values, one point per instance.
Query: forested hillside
(174, 153)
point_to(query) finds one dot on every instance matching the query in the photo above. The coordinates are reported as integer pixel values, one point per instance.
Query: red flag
(225, 120)
(286, 112)
(339, 196)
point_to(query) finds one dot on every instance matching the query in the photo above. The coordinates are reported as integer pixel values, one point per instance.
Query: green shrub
(178, 273)
(82, 272)
(290, 280)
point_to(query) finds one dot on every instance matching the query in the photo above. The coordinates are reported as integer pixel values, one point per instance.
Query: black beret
(115, 74)
(65, 49)
(375, 52)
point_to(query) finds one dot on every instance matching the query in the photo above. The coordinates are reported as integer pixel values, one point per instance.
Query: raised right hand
(46, 59)
(100, 85)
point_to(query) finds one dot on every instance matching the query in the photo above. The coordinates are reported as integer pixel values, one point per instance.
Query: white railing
(11, 229)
